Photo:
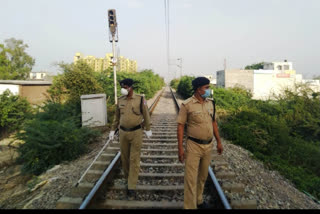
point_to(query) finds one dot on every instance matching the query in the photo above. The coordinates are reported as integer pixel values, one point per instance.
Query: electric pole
(180, 66)
(113, 37)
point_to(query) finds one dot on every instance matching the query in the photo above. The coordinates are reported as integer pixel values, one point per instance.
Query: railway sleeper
(159, 150)
(225, 175)
(142, 188)
(126, 204)
(162, 181)
(219, 164)
(155, 195)
(170, 132)
(93, 175)
(106, 157)
(69, 203)
(81, 190)
(100, 165)
(160, 140)
(161, 169)
(159, 144)
(243, 204)
(233, 187)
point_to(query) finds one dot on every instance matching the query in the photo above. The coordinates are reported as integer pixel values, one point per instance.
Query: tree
(316, 77)
(255, 66)
(15, 63)
(13, 111)
(185, 88)
(77, 79)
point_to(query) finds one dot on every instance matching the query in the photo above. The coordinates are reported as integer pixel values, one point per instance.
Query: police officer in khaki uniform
(198, 113)
(131, 112)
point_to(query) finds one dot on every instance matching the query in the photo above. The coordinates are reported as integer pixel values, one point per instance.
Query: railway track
(161, 177)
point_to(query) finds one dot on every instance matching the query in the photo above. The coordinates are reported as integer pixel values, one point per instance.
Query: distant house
(37, 75)
(34, 91)
(273, 78)
(212, 79)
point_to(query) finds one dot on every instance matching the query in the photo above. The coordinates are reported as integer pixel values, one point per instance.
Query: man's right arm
(116, 119)
(182, 119)
(180, 132)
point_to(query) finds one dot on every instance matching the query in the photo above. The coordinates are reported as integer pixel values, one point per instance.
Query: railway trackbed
(160, 183)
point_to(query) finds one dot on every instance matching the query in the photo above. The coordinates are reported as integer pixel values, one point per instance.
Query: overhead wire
(167, 26)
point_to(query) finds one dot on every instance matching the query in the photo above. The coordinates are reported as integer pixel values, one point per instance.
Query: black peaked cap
(199, 81)
(128, 82)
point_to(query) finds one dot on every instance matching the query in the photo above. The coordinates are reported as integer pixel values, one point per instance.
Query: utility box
(94, 110)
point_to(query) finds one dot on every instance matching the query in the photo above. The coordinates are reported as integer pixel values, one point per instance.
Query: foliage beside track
(54, 134)
(284, 133)
(13, 111)
(185, 88)
(174, 83)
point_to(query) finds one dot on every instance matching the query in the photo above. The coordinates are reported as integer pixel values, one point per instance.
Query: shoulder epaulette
(187, 101)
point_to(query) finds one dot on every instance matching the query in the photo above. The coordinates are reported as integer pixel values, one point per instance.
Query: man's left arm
(146, 114)
(217, 136)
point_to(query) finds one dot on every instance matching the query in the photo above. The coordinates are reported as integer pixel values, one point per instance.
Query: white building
(263, 83)
(278, 66)
(37, 75)
(212, 79)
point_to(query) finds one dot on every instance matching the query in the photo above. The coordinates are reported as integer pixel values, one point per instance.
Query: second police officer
(131, 112)
(198, 112)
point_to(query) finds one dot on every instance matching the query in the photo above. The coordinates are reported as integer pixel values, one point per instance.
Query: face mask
(124, 91)
(207, 93)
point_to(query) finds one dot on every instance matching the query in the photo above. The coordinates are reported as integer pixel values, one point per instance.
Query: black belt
(130, 129)
(200, 141)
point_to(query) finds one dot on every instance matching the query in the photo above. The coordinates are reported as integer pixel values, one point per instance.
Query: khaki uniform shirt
(128, 114)
(198, 117)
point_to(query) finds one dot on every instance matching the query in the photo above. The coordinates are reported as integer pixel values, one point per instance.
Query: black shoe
(204, 205)
(131, 194)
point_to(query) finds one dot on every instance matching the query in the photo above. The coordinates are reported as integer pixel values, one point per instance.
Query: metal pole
(114, 69)
(180, 67)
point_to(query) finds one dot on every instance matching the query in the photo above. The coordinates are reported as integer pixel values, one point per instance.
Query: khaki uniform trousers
(130, 148)
(198, 158)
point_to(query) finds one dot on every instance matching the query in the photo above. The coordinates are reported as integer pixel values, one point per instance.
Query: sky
(202, 32)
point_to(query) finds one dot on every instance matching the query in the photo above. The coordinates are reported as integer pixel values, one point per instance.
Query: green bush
(54, 135)
(13, 111)
(284, 133)
(174, 83)
(185, 88)
(77, 79)
(231, 99)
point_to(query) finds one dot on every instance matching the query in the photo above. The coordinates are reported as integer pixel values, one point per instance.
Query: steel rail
(98, 184)
(97, 156)
(219, 190)
(153, 105)
(213, 177)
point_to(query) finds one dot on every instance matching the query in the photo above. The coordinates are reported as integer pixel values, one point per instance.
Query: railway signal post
(113, 37)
